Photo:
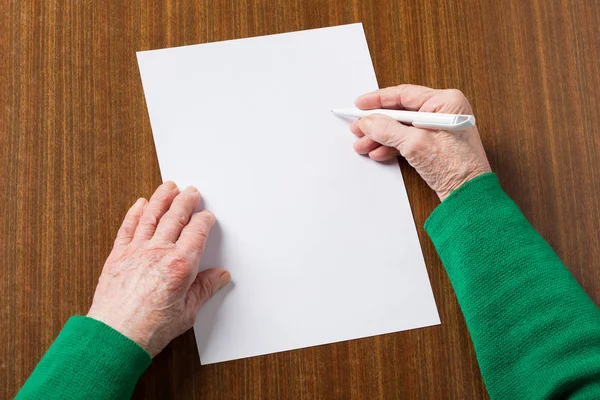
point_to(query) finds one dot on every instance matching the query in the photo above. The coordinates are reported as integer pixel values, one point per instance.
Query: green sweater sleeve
(535, 331)
(88, 360)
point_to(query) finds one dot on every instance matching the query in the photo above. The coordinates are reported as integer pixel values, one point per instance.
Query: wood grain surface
(76, 150)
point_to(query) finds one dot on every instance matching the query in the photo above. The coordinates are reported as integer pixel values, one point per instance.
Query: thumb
(387, 131)
(206, 284)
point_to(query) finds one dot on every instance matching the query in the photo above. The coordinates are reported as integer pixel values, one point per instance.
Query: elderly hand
(150, 289)
(445, 160)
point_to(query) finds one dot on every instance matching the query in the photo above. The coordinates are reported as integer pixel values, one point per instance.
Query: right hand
(445, 160)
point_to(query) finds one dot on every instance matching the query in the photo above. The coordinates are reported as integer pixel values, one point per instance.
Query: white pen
(427, 120)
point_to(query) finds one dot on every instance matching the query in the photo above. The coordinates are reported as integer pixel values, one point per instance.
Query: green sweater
(536, 333)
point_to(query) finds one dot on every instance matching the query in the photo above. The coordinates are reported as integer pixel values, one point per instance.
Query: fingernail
(191, 189)
(214, 218)
(140, 201)
(365, 124)
(169, 185)
(225, 277)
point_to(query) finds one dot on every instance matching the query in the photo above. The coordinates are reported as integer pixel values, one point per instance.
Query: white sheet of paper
(320, 241)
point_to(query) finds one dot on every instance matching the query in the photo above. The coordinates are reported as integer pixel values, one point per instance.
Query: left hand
(150, 289)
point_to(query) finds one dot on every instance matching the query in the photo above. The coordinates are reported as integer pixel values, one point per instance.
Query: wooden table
(76, 150)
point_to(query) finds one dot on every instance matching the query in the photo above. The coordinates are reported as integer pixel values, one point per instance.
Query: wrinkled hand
(445, 160)
(150, 289)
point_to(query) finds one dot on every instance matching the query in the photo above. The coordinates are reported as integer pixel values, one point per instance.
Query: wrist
(459, 181)
(121, 325)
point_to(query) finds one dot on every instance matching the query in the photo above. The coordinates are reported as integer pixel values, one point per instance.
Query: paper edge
(254, 37)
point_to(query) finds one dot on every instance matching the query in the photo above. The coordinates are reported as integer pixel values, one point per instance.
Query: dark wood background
(76, 150)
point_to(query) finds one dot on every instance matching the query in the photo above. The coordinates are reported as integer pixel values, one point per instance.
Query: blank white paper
(320, 241)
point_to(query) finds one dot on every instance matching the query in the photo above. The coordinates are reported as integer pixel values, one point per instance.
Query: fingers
(194, 234)
(157, 206)
(384, 153)
(173, 222)
(355, 129)
(168, 216)
(206, 284)
(375, 151)
(408, 97)
(450, 101)
(389, 132)
(131, 221)
(365, 145)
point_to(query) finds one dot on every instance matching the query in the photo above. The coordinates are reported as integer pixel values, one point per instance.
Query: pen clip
(461, 122)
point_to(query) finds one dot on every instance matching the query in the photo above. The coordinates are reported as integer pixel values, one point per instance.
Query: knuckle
(179, 267)
(201, 235)
(178, 259)
(161, 199)
(456, 95)
(178, 219)
(123, 230)
(400, 90)
(408, 97)
(149, 219)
